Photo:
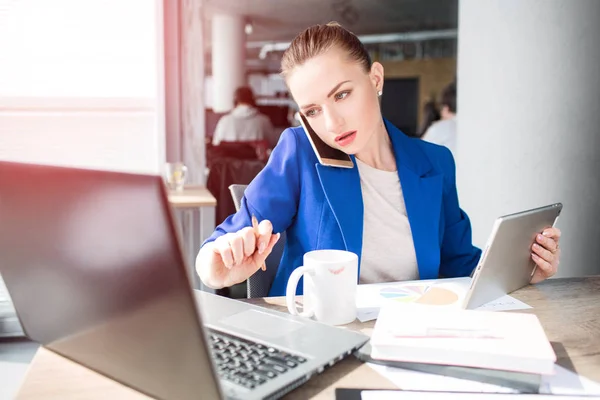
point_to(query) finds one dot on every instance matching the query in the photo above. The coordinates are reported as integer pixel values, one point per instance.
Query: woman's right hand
(234, 257)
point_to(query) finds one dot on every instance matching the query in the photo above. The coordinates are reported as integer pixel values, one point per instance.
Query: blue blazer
(321, 207)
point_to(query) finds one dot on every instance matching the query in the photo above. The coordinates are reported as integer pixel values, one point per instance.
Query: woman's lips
(346, 138)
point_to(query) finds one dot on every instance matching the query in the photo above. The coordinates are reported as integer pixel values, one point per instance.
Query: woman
(397, 209)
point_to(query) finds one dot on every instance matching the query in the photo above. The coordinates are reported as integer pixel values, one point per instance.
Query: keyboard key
(245, 369)
(246, 347)
(277, 364)
(258, 379)
(279, 368)
(243, 352)
(248, 384)
(275, 359)
(266, 371)
(260, 352)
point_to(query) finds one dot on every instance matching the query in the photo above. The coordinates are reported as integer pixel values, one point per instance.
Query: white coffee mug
(330, 281)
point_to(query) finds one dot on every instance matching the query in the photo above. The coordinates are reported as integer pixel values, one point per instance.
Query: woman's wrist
(205, 267)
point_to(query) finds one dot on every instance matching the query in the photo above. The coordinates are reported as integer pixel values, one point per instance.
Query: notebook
(480, 339)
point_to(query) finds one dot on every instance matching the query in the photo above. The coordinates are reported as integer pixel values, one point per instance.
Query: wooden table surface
(569, 310)
(192, 197)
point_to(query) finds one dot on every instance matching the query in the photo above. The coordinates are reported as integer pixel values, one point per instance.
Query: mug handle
(290, 292)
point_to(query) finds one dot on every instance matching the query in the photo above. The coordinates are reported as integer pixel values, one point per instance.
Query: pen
(255, 227)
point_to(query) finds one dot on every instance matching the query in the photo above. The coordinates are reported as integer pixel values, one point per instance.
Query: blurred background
(130, 85)
(415, 40)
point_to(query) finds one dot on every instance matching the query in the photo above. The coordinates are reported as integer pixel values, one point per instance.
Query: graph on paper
(422, 294)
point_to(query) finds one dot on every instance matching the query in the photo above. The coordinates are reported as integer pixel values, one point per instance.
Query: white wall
(192, 87)
(529, 117)
(228, 49)
(81, 83)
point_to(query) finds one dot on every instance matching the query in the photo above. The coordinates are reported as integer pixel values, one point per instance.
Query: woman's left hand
(546, 254)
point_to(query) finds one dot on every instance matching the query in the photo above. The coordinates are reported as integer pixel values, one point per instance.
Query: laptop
(93, 264)
(9, 323)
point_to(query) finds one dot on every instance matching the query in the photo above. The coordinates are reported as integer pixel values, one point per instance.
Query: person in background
(443, 132)
(431, 114)
(244, 123)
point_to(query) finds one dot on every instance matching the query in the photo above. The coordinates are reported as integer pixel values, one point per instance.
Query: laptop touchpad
(262, 323)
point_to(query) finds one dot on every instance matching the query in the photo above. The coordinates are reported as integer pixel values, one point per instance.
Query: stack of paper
(518, 381)
(480, 339)
(562, 382)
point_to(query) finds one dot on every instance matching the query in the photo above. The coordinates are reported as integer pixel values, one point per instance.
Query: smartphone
(326, 154)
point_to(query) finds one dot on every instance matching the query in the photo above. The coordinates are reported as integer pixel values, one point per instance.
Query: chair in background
(259, 284)
(225, 171)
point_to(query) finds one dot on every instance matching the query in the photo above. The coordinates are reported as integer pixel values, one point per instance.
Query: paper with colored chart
(446, 293)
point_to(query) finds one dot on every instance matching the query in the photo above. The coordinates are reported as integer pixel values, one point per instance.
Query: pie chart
(420, 294)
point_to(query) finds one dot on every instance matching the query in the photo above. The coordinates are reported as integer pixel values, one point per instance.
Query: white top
(443, 132)
(388, 251)
(242, 124)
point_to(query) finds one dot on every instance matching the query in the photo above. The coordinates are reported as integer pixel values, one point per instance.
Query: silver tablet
(506, 263)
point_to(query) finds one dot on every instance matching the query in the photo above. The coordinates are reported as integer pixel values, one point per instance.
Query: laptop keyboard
(247, 363)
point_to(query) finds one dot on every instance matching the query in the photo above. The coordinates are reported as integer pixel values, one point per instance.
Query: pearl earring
(380, 92)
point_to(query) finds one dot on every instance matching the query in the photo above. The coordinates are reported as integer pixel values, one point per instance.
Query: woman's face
(338, 99)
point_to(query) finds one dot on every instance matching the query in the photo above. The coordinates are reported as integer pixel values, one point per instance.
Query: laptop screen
(93, 264)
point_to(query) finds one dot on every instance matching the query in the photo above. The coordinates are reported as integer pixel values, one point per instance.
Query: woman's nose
(333, 121)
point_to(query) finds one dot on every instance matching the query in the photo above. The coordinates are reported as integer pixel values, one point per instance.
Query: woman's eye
(311, 113)
(342, 95)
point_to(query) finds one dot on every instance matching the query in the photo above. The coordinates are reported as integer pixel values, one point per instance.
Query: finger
(254, 222)
(237, 248)
(552, 233)
(265, 229)
(543, 253)
(549, 243)
(545, 268)
(249, 238)
(224, 250)
(274, 239)
(259, 259)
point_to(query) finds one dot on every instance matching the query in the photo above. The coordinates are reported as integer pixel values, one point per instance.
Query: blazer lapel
(344, 195)
(423, 198)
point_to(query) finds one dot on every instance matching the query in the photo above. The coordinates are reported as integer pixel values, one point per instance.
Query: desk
(194, 207)
(569, 310)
